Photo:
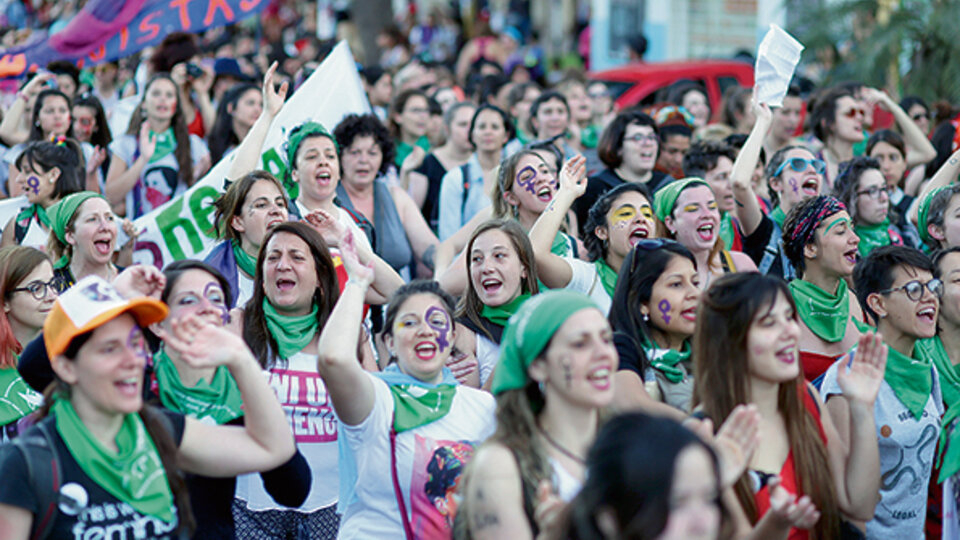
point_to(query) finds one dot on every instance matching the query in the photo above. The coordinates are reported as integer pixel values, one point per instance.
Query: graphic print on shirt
(306, 403)
(437, 469)
(114, 520)
(920, 452)
(159, 185)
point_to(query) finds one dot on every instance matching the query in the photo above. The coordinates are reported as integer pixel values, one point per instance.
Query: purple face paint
(527, 183)
(34, 184)
(221, 307)
(442, 330)
(793, 185)
(136, 344)
(664, 307)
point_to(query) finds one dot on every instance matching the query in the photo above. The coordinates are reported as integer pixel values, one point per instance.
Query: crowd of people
(495, 306)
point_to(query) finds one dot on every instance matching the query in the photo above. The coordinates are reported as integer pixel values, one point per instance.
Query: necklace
(560, 448)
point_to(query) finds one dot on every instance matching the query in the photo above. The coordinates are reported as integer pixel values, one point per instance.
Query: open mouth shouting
(323, 177)
(637, 234)
(851, 256)
(425, 350)
(103, 246)
(128, 387)
(545, 193)
(707, 232)
(810, 186)
(928, 315)
(491, 286)
(285, 284)
(601, 377)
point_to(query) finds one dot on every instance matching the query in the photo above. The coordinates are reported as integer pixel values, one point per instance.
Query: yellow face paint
(647, 212)
(691, 208)
(622, 215)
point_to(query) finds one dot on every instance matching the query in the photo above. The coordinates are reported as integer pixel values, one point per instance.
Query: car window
(617, 88)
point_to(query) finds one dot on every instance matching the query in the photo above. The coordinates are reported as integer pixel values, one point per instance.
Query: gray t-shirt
(907, 449)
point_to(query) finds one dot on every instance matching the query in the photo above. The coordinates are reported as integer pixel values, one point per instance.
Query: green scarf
(778, 216)
(35, 210)
(245, 261)
(665, 360)
(873, 236)
(825, 314)
(499, 315)
(910, 378)
(219, 399)
(134, 474)
(16, 398)
(60, 215)
(608, 276)
(560, 246)
(590, 136)
(166, 144)
(726, 230)
(932, 349)
(292, 334)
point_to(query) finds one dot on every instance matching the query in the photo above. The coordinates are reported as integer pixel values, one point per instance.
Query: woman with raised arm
(122, 460)
(813, 469)
(619, 219)
(412, 423)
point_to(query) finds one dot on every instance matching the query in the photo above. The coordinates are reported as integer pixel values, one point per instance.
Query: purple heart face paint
(664, 307)
(793, 185)
(438, 320)
(33, 184)
(526, 178)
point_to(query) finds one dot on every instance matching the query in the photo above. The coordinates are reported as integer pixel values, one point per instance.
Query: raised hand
(148, 143)
(573, 176)
(737, 440)
(547, 511)
(140, 280)
(129, 229)
(202, 344)
(96, 159)
(761, 111)
(328, 226)
(789, 510)
(860, 379)
(356, 270)
(272, 97)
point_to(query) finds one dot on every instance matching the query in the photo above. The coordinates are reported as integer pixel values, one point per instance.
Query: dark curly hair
(703, 157)
(365, 125)
(597, 217)
(847, 184)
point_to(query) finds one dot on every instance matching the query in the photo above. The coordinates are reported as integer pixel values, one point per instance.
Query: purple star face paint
(443, 330)
(664, 307)
(218, 305)
(793, 185)
(33, 183)
(526, 178)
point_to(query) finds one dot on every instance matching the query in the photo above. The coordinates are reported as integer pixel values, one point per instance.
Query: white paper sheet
(777, 58)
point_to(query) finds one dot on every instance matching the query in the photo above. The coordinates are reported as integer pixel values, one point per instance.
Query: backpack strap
(45, 474)
(771, 251)
(465, 173)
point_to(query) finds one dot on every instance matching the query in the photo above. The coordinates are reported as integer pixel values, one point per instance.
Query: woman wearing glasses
(862, 188)
(26, 295)
(793, 174)
(896, 287)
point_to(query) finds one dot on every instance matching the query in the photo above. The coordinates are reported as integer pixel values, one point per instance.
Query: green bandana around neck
(560, 246)
(499, 315)
(166, 144)
(932, 349)
(134, 474)
(60, 215)
(910, 378)
(218, 400)
(35, 210)
(608, 276)
(245, 261)
(665, 360)
(16, 398)
(778, 216)
(416, 405)
(726, 230)
(292, 334)
(873, 236)
(404, 149)
(825, 314)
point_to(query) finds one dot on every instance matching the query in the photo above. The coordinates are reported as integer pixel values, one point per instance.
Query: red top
(788, 476)
(816, 364)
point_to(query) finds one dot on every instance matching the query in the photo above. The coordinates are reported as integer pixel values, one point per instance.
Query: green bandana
(60, 215)
(16, 398)
(665, 360)
(404, 149)
(665, 199)
(528, 333)
(245, 261)
(825, 314)
(416, 405)
(873, 236)
(35, 210)
(726, 229)
(932, 349)
(134, 474)
(501, 314)
(608, 276)
(923, 210)
(560, 246)
(219, 399)
(910, 378)
(292, 334)
(166, 144)
(590, 136)
(778, 216)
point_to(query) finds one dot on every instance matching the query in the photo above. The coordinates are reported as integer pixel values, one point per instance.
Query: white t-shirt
(487, 353)
(907, 448)
(245, 286)
(564, 484)
(585, 278)
(306, 403)
(447, 443)
(160, 179)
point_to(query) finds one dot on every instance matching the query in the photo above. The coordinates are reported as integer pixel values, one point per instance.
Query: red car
(639, 83)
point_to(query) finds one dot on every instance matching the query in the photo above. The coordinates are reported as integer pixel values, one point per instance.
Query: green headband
(665, 199)
(306, 129)
(922, 212)
(60, 215)
(529, 331)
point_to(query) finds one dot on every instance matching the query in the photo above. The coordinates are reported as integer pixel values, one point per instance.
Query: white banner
(183, 228)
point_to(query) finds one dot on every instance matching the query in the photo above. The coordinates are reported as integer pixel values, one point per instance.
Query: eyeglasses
(852, 113)
(914, 289)
(38, 288)
(799, 164)
(642, 137)
(874, 191)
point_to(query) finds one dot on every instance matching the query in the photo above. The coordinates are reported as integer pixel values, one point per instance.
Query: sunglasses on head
(649, 244)
(799, 164)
